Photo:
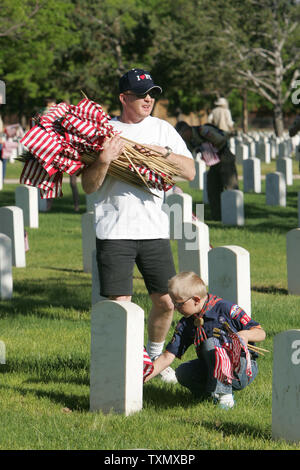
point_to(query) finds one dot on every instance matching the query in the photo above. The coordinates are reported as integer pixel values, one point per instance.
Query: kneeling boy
(222, 365)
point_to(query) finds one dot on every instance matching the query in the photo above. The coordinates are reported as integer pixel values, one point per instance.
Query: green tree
(114, 37)
(31, 34)
(265, 49)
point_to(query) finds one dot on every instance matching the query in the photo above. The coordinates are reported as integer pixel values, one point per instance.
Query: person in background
(131, 226)
(220, 116)
(222, 172)
(75, 193)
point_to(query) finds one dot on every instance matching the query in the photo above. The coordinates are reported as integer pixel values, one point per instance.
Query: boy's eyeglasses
(180, 304)
(152, 93)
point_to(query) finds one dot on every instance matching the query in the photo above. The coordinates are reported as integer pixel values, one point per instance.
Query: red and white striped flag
(227, 358)
(148, 365)
(59, 139)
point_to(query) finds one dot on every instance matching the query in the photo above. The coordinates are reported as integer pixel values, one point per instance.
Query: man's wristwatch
(169, 151)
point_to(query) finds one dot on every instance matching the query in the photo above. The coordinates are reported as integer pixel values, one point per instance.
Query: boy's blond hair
(186, 284)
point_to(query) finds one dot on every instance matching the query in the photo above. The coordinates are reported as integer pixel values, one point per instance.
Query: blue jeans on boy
(197, 375)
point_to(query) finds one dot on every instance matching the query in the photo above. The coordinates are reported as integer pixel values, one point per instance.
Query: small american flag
(57, 141)
(227, 358)
(209, 154)
(148, 365)
(154, 179)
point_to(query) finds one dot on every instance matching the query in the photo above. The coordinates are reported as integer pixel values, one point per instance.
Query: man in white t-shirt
(131, 226)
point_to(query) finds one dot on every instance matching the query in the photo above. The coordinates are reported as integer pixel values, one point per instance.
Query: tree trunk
(245, 111)
(278, 120)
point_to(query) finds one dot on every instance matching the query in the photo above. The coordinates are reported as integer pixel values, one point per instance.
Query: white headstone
(232, 207)
(42, 203)
(2, 353)
(275, 189)
(251, 149)
(264, 151)
(241, 152)
(12, 225)
(1, 175)
(197, 182)
(282, 150)
(293, 261)
(298, 208)
(26, 198)
(193, 249)
(286, 386)
(90, 201)
(273, 149)
(229, 275)
(179, 208)
(117, 342)
(88, 237)
(252, 175)
(6, 279)
(285, 166)
(96, 296)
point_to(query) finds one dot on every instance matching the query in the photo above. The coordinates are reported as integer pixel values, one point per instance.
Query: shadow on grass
(167, 396)
(32, 297)
(270, 290)
(172, 397)
(56, 368)
(229, 428)
(7, 198)
(72, 402)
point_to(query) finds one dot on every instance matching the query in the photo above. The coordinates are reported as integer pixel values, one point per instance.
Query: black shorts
(116, 260)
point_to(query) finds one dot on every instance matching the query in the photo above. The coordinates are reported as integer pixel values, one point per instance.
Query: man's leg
(214, 189)
(159, 322)
(155, 262)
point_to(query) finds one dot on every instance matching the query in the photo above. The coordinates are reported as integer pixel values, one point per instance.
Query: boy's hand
(161, 363)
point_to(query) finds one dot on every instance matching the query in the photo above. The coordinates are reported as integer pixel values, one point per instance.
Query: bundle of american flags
(228, 354)
(68, 138)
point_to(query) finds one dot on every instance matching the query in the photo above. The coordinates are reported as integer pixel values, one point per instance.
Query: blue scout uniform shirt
(216, 311)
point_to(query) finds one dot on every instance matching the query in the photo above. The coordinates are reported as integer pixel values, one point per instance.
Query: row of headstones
(13, 219)
(263, 145)
(116, 367)
(193, 241)
(251, 175)
(232, 201)
(194, 253)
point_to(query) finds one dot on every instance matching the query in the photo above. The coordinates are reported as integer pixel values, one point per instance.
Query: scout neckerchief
(200, 334)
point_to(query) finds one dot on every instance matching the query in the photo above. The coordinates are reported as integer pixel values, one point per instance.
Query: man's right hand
(112, 149)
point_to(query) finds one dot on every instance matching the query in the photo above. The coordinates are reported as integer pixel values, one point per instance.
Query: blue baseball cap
(138, 81)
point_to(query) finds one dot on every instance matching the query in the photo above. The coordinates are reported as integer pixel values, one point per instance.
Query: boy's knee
(180, 374)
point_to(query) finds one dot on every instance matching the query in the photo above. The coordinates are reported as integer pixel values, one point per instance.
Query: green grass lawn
(44, 384)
